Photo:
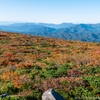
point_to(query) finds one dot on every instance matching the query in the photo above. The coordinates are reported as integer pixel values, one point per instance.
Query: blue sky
(50, 11)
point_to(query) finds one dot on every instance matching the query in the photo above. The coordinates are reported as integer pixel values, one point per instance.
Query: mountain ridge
(70, 31)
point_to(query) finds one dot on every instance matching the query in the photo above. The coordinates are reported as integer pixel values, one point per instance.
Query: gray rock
(52, 95)
(4, 95)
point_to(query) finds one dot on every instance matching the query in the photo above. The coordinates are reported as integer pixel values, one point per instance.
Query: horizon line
(49, 22)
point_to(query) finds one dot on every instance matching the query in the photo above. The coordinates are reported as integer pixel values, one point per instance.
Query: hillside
(30, 65)
(68, 31)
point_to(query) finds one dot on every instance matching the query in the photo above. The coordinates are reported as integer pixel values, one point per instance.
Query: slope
(29, 65)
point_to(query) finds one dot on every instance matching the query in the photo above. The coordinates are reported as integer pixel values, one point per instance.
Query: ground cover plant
(30, 65)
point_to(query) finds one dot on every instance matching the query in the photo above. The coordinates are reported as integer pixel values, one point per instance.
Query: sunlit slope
(33, 64)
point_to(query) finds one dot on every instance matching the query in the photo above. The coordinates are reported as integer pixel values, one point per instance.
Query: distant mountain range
(69, 31)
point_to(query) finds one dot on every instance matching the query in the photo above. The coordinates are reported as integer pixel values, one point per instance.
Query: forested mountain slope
(69, 31)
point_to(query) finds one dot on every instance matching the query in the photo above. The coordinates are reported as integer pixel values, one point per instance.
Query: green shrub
(37, 67)
(64, 82)
(33, 74)
(82, 51)
(11, 98)
(46, 62)
(12, 90)
(35, 95)
(26, 86)
(66, 95)
(59, 72)
(39, 59)
(8, 88)
(51, 64)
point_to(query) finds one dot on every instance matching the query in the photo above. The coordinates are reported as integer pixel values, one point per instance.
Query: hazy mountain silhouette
(79, 32)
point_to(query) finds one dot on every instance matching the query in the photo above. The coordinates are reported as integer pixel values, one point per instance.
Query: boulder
(52, 95)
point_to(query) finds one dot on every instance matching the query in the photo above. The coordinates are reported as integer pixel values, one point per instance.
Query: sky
(50, 11)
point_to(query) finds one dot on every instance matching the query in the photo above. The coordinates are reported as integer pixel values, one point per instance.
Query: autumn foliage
(33, 62)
